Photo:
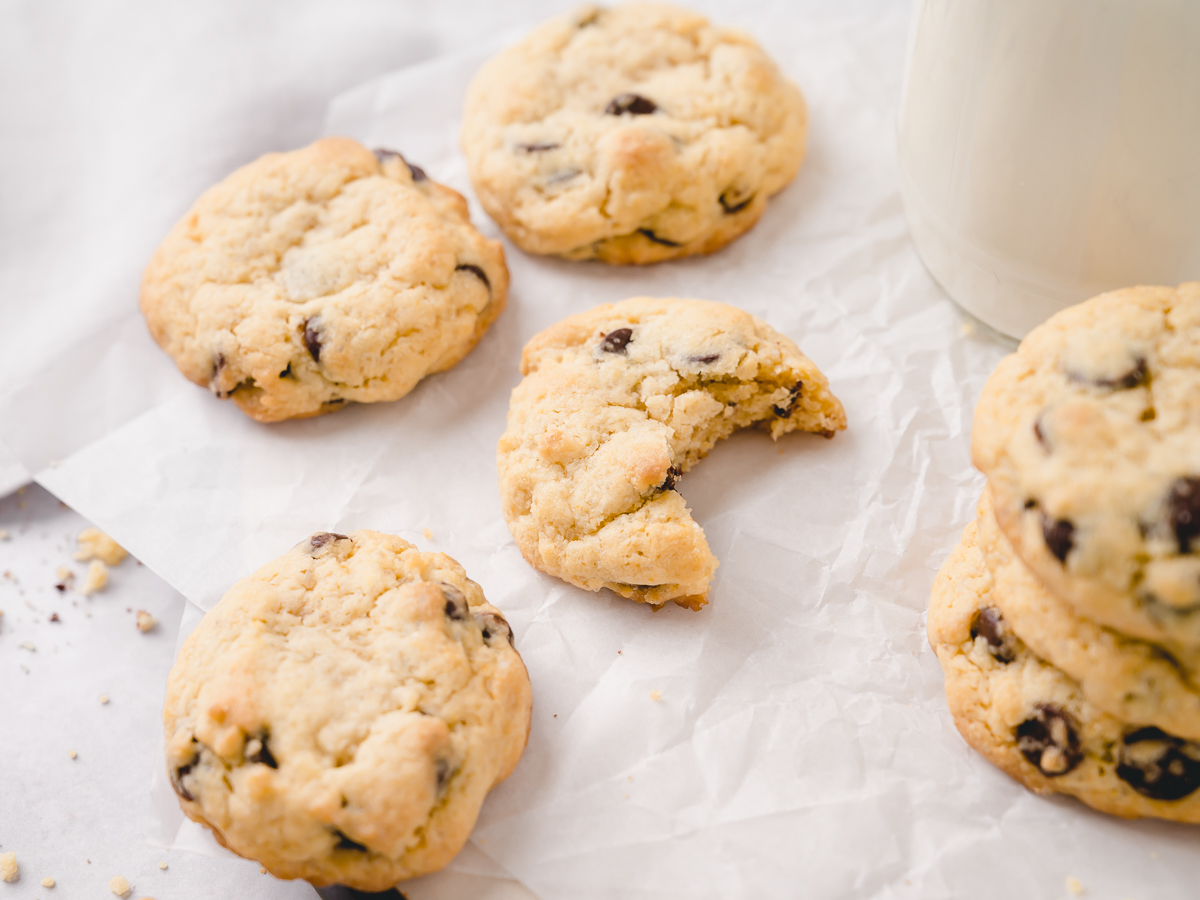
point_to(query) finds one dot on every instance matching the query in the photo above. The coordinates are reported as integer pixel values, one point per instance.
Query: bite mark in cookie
(617, 404)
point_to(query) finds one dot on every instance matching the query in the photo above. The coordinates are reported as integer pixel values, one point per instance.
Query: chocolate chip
(263, 753)
(178, 773)
(286, 373)
(493, 625)
(341, 892)
(783, 410)
(476, 271)
(1039, 434)
(321, 538)
(706, 359)
(989, 625)
(1164, 767)
(731, 205)
(60, 587)
(1148, 414)
(445, 771)
(647, 233)
(312, 337)
(382, 154)
(218, 364)
(1050, 741)
(671, 480)
(345, 843)
(54, 617)
(1030, 504)
(1183, 511)
(1059, 535)
(1131, 379)
(456, 603)
(634, 104)
(537, 148)
(617, 341)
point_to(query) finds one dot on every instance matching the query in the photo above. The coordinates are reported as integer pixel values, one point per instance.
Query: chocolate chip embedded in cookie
(1088, 435)
(341, 714)
(632, 134)
(1133, 680)
(617, 405)
(328, 275)
(1034, 722)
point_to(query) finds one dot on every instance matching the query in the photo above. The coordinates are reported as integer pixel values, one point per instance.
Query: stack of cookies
(1067, 620)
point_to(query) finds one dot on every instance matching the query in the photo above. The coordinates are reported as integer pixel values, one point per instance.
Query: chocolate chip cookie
(1033, 722)
(328, 275)
(631, 134)
(341, 714)
(1090, 437)
(616, 405)
(1134, 680)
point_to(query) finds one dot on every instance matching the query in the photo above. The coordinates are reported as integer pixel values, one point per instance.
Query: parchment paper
(801, 745)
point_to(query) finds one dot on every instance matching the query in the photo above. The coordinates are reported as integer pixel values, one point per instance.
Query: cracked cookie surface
(631, 134)
(1090, 437)
(341, 714)
(327, 275)
(1033, 721)
(616, 405)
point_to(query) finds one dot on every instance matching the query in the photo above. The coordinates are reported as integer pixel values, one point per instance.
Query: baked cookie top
(617, 403)
(330, 274)
(1134, 680)
(1034, 722)
(1090, 437)
(631, 134)
(341, 714)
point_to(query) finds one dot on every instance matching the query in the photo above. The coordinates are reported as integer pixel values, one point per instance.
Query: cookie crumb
(1074, 886)
(262, 870)
(72, 754)
(428, 534)
(118, 885)
(54, 464)
(163, 865)
(97, 578)
(28, 645)
(656, 695)
(65, 574)
(95, 544)
(103, 698)
(47, 882)
(145, 621)
(9, 870)
(3, 534)
(967, 329)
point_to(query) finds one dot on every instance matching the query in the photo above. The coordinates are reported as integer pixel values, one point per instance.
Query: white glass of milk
(1050, 150)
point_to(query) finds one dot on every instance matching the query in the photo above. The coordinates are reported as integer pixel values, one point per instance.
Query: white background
(801, 746)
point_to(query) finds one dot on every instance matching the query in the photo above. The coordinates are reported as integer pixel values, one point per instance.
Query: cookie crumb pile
(1067, 620)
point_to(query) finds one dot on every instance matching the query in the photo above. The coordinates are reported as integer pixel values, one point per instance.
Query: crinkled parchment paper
(800, 745)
